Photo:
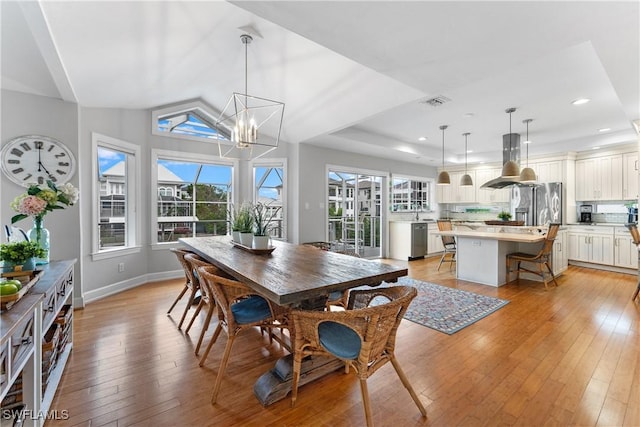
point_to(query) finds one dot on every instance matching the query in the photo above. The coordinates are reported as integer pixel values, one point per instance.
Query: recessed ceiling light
(422, 138)
(595, 148)
(604, 130)
(468, 115)
(580, 101)
(469, 151)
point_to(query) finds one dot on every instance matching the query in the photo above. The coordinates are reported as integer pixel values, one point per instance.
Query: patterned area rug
(447, 309)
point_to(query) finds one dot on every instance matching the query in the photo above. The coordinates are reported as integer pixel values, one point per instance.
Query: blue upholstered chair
(239, 308)
(362, 336)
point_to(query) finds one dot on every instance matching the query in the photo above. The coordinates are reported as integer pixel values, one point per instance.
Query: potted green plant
(20, 254)
(504, 215)
(235, 223)
(244, 221)
(263, 216)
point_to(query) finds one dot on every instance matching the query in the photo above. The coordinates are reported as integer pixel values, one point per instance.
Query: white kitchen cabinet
(547, 171)
(630, 176)
(592, 244)
(599, 178)
(560, 253)
(434, 244)
(488, 195)
(454, 192)
(625, 252)
(407, 240)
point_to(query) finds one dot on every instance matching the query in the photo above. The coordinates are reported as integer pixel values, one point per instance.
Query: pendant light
(527, 174)
(443, 176)
(510, 169)
(249, 126)
(466, 180)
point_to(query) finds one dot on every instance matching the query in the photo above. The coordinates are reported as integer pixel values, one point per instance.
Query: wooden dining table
(299, 276)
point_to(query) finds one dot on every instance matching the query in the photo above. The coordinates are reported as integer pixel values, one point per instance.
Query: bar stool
(541, 258)
(635, 235)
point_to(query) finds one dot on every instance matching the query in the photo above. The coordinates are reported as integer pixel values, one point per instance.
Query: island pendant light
(443, 176)
(527, 174)
(248, 127)
(466, 180)
(510, 169)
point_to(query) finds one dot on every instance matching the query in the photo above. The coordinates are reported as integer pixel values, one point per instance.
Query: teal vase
(41, 235)
(29, 265)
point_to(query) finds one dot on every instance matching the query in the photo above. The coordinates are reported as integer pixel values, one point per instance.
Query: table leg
(274, 385)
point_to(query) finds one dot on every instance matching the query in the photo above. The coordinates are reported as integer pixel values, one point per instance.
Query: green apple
(16, 282)
(8, 289)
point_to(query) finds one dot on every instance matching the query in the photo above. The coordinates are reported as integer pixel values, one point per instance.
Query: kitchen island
(482, 255)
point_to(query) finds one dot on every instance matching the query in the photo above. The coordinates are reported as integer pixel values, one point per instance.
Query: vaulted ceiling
(354, 75)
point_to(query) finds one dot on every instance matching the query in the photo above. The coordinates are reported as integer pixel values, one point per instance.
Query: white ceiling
(353, 75)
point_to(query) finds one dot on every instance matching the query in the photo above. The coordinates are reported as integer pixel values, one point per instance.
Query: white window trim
(275, 162)
(432, 190)
(187, 157)
(134, 214)
(183, 107)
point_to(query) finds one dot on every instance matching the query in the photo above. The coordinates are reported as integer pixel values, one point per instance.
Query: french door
(355, 212)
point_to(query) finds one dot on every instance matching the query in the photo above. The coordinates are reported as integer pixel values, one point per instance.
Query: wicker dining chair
(635, 235)
(340, 298)
(207, 298)
(239, 309)
(542, 258)
(449, 243)
(363, 337)
(190, 284)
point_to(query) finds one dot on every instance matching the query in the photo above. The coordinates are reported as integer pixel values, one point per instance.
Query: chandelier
(249, 126)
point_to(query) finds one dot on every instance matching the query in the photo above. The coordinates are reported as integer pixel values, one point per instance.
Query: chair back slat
(445, 225)
(635, 234)
(552, 233)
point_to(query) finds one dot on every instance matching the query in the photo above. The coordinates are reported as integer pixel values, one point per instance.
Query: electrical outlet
(121, 267)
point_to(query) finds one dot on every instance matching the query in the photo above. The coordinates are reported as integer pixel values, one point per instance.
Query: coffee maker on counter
(585, 213)
(633, 216)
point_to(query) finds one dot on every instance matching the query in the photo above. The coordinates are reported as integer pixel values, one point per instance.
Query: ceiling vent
(437, 101)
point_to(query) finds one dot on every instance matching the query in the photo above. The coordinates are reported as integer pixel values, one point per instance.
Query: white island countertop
(524, 237)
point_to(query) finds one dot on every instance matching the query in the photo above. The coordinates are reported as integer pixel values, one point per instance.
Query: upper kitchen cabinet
(454, 192)
(630, 176)
(488, 195)
(599, 178)
(547, 171)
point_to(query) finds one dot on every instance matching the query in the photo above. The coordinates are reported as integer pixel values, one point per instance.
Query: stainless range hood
(510, 151)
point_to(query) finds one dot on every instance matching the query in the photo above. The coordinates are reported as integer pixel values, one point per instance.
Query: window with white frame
(192, 196)
(269, 188)
(116, 196)
(410, 194)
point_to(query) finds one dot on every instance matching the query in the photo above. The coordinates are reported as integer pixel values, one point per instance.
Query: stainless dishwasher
(419, 233)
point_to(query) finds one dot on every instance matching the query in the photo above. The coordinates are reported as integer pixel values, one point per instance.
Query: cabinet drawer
(22, 342)
(65, 286)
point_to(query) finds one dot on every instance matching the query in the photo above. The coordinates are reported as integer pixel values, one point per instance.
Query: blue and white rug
(446, 309)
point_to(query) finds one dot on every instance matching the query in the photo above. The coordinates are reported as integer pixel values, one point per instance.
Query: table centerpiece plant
(263, 216)
(20, 255)
(36, 202)
(244, 221)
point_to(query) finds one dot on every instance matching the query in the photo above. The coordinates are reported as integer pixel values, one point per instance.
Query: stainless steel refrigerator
(537, 205)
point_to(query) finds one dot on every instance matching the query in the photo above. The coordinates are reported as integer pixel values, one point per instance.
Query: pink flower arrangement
(38, 201)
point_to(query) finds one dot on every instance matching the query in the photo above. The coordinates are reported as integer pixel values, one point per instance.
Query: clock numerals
(25, 146)
(17, 170)
(27, 177)
(51, 147)
(53, 178)
(17, 152)
(60, 155)
(63, 163)
(38, 145)
(13, 162)
(60, 172)
(40, 180)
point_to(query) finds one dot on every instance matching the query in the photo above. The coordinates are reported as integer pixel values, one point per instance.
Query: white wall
(312, 183)
(25, 114)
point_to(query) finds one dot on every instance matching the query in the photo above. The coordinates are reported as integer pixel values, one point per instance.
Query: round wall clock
(35, 159)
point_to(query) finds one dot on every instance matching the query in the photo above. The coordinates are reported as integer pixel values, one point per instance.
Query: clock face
(34, 159)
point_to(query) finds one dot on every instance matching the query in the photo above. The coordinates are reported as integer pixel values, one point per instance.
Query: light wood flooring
(567, 356)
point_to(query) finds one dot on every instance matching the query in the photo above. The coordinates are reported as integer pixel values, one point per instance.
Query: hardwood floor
(567, 356)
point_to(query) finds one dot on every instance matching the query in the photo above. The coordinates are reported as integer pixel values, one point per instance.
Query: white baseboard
(124, 285)
(633, 272)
